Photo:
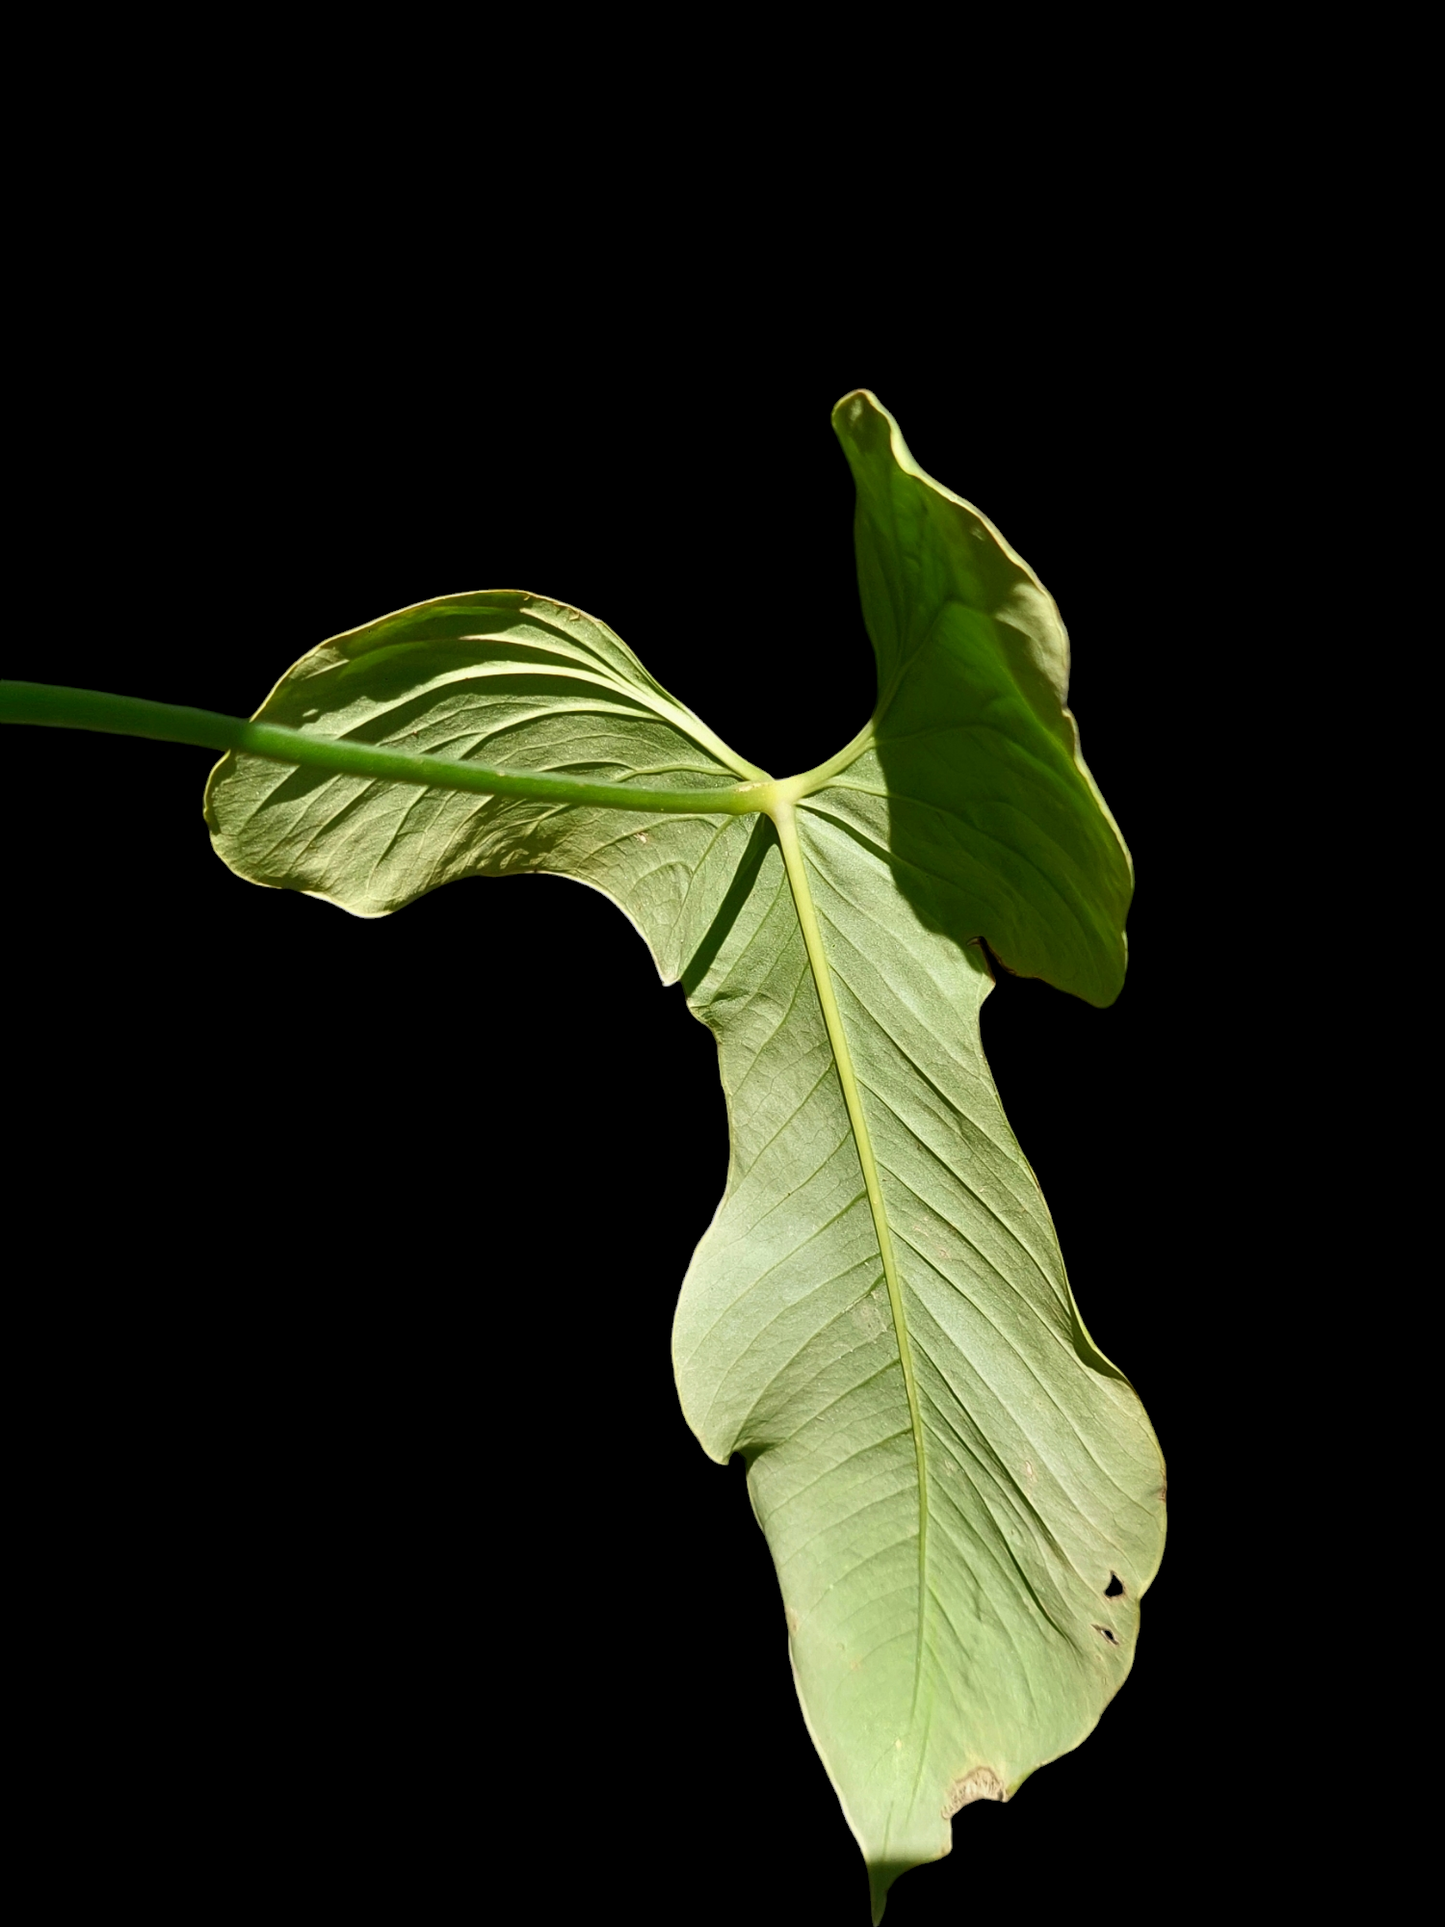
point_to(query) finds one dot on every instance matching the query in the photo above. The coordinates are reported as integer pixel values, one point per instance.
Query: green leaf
(963, 1497)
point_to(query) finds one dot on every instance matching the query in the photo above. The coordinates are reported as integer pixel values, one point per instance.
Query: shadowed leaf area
(963, 1497)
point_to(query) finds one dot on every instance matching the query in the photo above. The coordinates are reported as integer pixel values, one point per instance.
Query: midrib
(784, 817)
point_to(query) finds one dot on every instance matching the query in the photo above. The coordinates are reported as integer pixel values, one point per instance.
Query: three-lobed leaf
(963, 1498)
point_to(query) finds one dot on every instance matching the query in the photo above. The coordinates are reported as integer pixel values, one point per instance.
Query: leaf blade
(949, 1473)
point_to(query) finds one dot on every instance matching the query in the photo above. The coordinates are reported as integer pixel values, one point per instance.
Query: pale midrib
(785, 819)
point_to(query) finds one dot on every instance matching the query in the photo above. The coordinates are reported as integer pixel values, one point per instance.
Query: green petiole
(54, 707)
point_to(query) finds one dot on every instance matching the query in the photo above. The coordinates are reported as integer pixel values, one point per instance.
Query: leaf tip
(880, 1879)
(859, 408)
(881, 1876)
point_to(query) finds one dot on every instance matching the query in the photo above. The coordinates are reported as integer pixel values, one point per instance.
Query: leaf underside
(953, 1481)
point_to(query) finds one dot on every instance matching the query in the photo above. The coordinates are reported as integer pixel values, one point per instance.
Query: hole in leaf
(1107, 1634)
(1114, 1587)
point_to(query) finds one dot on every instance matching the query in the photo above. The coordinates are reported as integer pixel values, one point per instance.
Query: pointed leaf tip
(881, 1876)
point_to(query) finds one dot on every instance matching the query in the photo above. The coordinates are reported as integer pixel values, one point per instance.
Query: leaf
(963, 1497)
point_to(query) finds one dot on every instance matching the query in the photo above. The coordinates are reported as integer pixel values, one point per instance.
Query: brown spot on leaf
(981, 1784)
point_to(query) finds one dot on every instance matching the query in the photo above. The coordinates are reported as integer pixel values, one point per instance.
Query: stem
(54, 707)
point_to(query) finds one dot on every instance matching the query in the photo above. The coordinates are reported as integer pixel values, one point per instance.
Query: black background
(370, 1556)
